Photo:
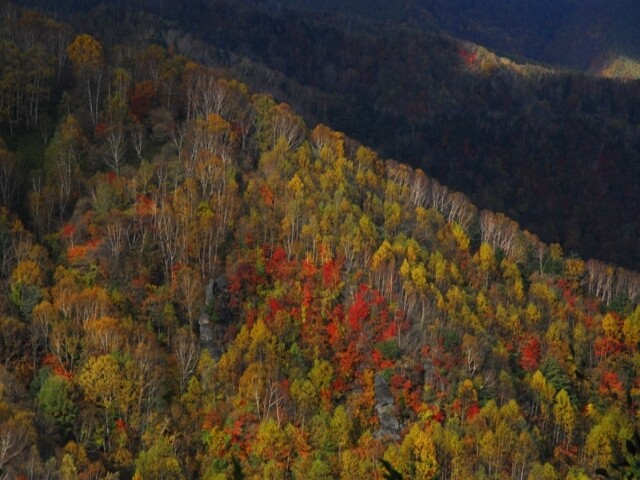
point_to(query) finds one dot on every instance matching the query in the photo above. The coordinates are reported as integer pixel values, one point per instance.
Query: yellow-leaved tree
(86, 55)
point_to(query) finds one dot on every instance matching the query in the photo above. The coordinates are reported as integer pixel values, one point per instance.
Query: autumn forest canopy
(197, 281)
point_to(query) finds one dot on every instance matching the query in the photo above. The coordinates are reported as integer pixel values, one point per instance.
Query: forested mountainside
(196, 285)
(520, 28)
(569, 33)
(557, 151)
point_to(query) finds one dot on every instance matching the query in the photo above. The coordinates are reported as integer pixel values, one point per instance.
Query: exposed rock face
(385, 409)
(212, 333)
(429, 372)
(205, 325)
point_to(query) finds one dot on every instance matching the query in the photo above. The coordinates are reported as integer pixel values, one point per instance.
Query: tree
(631, 329)
(137, 135)
(169, 231)
(65, 344)
(530, 354)
(565, 417)
(187, 351)
(600, 280)
(27, 279)
(57, 39)
(605, 438)
(501, 232)
(116, 147)
(16, 434)
(110, 385)
(117, 229)
(56, 400)
(542, 472)
(63, 161)
(629, 466)
(426, 465)
(189, 292)
(13, 341)
(159, 461)
(68, 469)
(38, 75)
(341, 428)
(273, 448)
(305, 398)
(42, 204)
(416, 456)
(8, 175)
(85, 52)
(543, 395)
(104, 335)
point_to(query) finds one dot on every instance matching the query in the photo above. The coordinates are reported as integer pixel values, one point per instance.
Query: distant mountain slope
(576, 34)
(594, 29)
(570, 33)
(520, 27)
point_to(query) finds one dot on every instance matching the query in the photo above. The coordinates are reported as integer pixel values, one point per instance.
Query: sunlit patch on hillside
(613, 65)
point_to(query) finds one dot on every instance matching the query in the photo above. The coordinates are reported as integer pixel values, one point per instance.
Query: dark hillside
(569, 33)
